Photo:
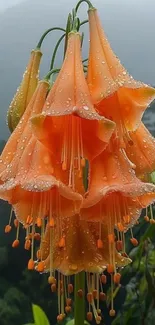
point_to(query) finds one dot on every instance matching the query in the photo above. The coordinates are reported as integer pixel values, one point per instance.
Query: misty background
(129, 25)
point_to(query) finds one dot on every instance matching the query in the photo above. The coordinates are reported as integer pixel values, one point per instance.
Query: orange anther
(89, 316)
(146, 218)
(68, 301)
(60, 318)
(15, 243)
(62, 242)
(90, 297)
(103, 279)
(117, 277)
(16, 223)
(7, 229)
(39, 222)
(110, 268)
(37, 236)
(80, 293)
(119, 245)
(120, 227)
(64, 166)
(102, 296)
(40, 267)
(99, 311)
(83, 162)
(134, 241)
(99, 243)
(111, 238)
(70, 288)
(51, 222)
(68, 309)
(38, 254)
(52, 280)
(112, 313)
(98, 319)
(30, 264)
(27, 244)
(95, 294)
(152, 221)
(53, 287)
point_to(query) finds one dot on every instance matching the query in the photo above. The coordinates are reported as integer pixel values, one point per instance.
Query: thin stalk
(84, 22)
(48, 31)
(79, 3)
(79, 302)
(55, 51)
(47, 77)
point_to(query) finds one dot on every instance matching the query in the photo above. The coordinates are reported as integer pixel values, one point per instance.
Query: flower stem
(83, 22)
(79, 301)
(48, 31)
(55, 51)
(79, 3)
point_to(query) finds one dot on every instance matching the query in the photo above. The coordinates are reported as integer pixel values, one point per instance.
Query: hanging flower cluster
(75, 167)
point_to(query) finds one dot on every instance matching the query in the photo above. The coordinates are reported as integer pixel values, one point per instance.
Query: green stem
(48, 31)
(79, 3)
(55, 51)
(47, 77)
(84, 22)
(79, 302)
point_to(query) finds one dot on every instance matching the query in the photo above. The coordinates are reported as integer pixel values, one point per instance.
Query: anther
(7, 229)
(30, 265)
(52, 280)
(37, 236)
(146, 218)
(89, 316)
(112, 313)
(68, 309)
(53, 287)
(27, 244)
(70, 288)
(99, 244)
(98, 319)
(90, 297)
(40, 267)
(110, 268)
(95, 294)
(102, 296)
(16, 223)
(117, 278)
(80, 293)
(134, 241)
(15, 243)
(119, 245)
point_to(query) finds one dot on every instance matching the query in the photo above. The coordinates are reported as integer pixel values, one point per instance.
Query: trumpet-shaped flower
(69, 120)
(115, 93)
(116, 196)
(27, 172)
(25, 91)
(140, 151)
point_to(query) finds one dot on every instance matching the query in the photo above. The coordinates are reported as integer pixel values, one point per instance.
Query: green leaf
(39, 316)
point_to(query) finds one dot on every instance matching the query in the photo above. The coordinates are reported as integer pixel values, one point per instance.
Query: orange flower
(115, 93)
(141, 150)
(80, 250)
(69, 120)
(27, 172)
(25, 91)
(116, 196)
